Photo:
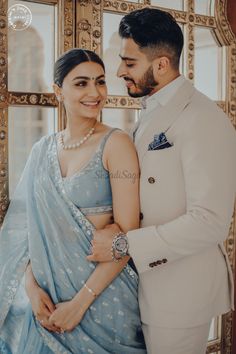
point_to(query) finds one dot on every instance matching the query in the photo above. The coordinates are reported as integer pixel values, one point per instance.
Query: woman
(69, 188)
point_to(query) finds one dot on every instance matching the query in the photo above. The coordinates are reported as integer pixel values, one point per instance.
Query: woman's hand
(66, 316)
(42, 305)
(43, 308)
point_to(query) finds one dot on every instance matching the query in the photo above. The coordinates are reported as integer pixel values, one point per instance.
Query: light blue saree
(44, 226)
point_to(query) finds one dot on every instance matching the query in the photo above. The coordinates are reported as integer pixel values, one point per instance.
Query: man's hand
(102, 243)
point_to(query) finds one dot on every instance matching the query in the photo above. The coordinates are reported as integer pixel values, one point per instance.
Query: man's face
(135, 69)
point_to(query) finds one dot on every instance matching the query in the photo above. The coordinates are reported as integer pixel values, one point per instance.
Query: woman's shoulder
(43, 142)
(116, 135)
(118, 142)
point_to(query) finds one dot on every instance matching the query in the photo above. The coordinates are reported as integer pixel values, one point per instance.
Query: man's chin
(139, 94)
(135, 94)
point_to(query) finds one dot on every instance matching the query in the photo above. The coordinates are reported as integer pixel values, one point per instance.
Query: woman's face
(84, 90)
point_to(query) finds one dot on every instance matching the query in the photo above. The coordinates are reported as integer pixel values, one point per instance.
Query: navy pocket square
(160, 142)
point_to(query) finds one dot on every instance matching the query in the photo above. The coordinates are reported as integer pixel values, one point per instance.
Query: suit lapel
(166, 117)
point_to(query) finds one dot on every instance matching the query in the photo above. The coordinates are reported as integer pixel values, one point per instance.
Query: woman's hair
(70, 59)
(155, 32)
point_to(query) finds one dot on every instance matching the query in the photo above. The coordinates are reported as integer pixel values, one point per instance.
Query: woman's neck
(79, 127)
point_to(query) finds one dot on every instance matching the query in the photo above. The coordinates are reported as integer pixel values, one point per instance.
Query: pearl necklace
(79, 143)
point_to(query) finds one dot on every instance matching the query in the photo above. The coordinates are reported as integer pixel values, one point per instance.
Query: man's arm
(209, 168)
(208, 160)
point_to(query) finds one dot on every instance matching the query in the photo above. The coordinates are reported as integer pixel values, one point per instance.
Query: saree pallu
(44, 226)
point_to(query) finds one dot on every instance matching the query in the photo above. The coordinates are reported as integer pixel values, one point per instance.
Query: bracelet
(90, 290)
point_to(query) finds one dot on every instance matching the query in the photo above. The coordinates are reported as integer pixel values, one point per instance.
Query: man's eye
(101, 82)
(129, 65)
(81, 83)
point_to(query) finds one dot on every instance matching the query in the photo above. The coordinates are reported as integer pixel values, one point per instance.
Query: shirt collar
(163, 96)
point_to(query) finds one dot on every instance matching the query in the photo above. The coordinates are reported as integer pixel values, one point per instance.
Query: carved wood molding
(66, 26)
(223, 30)
(232, 82)
(190, 41)
(33, 99)
(122, 102)
(205, 21)
(227, 325)
(222, 105)
(4, 193)
(89, 24)
(213, 348)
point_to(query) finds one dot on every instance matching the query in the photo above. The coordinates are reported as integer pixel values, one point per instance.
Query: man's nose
(121, 70)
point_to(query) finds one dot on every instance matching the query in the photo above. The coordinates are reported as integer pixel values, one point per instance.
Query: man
(186, 147)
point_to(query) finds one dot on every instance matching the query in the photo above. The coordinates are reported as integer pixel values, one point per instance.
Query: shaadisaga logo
(19, 17)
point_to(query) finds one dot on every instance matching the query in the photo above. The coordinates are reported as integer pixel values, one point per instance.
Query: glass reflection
(111, 49)
(210, 64)
(120, 118)
(213, 334)
(26, 126)
(169, 4)
(32, 50)
(205, 7)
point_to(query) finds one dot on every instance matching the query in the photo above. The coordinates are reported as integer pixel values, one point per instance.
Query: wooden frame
(81, 25)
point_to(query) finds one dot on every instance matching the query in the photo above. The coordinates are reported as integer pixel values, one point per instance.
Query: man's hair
(155, 32)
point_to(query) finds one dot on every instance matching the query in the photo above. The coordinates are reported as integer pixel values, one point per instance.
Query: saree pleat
(53, 233)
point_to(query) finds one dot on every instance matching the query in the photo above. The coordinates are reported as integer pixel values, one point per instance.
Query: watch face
(121, 244)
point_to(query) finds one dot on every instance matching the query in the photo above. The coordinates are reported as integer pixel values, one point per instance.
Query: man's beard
(146, 84)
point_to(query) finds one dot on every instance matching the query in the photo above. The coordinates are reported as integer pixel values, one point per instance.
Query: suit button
(151, 180)
(164, 260)
(141, 216)
(158, 262)
(151, 265)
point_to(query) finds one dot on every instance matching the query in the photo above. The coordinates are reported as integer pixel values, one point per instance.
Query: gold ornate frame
(81, 25)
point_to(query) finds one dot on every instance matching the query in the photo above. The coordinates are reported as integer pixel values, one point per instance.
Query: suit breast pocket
(161, 158)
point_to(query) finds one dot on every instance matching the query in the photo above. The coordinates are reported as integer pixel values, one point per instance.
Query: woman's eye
(101, 82)
(81, 83)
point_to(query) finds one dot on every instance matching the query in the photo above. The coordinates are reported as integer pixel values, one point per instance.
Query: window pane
(169, 4)
(213, 334)
(26, 126)
(210, 65)
(32, 50)
(120, 118)
(111, 50)
(205, 7)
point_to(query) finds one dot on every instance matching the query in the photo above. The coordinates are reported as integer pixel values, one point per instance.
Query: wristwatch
(120, 247)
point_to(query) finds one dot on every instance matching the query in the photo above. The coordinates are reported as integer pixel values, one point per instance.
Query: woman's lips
(93, 104)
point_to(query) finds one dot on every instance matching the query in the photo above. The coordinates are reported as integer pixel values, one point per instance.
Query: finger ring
(41, 321)
(62, 330)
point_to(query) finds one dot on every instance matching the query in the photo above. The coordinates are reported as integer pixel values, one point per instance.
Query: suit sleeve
(209, 167)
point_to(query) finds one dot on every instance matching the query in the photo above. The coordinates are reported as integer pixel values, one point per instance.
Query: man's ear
(161, 66)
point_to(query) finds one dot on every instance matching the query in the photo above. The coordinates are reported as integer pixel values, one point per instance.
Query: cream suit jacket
(187, 195)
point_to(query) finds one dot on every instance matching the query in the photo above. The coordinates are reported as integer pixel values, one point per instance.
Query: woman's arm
(121, 160)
